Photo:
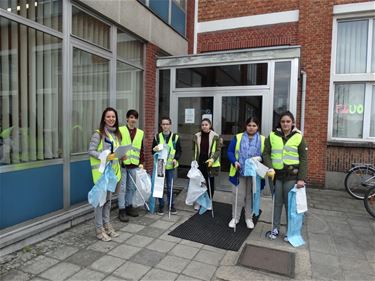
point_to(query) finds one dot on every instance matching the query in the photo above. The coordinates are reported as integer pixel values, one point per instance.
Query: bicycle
(358, 180)
(369, 200)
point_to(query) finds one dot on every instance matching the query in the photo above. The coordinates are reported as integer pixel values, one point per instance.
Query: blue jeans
(127, 188)
(168, 176)
(282, 189)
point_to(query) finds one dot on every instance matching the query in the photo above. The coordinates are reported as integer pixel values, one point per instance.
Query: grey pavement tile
(162, 224)
(173, 218)
(370, 255)
(139, 240)
(39, 264)
(84, 257)
(61, 271)
(87, 275)
(132, 271)
(161, 245)
(321, 243)
(186, 278)
(36, 279)
(236, 273)
(356, 265)
(317, 224)
(326, 272)
(230, 258)
(184, 251)
(107, 264)
(158, 274)
(63, 252)
(192, 244)
(102, 246)
(151, 232)
(324, 259)
(115, 278)
(209, 257)
(124, 251)
(147, 257)
(172, 263)
(123, 236)
(200, 270)
(170, 238)
(142, 220)
(16, 275)
(347, 248)
(354, 275)
(132, 228)
(73, 239)
(341, 229)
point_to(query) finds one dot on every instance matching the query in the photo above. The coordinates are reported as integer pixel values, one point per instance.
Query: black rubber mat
(214, 231)
(266, 259)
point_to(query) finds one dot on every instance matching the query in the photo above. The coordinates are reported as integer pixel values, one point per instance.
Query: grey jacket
(94, 143)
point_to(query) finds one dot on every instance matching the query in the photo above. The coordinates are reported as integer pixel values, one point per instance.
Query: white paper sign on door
(189, 115)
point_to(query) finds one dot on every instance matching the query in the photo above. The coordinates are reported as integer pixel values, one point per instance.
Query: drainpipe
(303, 100)
(195, 27)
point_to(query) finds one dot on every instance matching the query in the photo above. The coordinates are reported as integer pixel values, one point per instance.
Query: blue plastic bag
(250, 170)
(107, 182)
(295, 220)
(205, 202)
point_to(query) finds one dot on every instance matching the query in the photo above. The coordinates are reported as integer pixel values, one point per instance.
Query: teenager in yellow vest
(131, 135)
(245, 145)
(173, 141)
(285, 151)
(206, 151)
(108, 129)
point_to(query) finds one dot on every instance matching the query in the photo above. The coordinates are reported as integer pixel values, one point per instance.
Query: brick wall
(190, 25)
(340, 158)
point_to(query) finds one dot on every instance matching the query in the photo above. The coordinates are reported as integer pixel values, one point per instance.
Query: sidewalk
(340, 238)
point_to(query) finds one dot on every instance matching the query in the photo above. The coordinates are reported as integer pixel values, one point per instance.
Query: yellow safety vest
(233, 170)
(95, 163)
(213, 150)
(284, 154)
(172, 150)
(133, 155)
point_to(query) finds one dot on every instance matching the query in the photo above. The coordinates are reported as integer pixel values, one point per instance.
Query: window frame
(368, 78)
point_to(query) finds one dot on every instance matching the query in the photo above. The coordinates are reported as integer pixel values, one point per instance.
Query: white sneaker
(232, 223)
(249, 223)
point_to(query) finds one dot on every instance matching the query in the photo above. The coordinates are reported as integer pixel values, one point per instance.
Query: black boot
(122, 215)
(132, 212)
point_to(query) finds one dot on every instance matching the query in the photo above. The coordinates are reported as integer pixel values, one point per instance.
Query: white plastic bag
(197, 184)
(143, 191)
(301, 200)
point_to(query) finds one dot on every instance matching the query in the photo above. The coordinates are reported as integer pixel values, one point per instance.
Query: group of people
(284, 152)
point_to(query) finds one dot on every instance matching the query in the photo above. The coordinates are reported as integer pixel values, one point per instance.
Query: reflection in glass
(89, 28)
(281, 99)
(30, 94)
(372, 122)
(46, 12)
(129, 48)
(129, 89)
(223, 75)
(90, 97)
(348, 110)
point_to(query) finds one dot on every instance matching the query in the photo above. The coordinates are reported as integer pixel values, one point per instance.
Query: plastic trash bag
(107, 182)
(251, 170)
(143, 191)
(295, 220)
(301, 200)
(197, 184)
(205, 203)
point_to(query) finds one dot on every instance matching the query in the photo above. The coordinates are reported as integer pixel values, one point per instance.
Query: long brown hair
(102, 124)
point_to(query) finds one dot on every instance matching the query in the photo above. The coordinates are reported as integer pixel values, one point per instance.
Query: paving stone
(84, 257)
(326, 272)
(348, 248)
(184, 251)
(170, 238)
(148, 257)
(321, 243)
(123, 236)
(38, 279)
(107, 264)
(186, 278)
(139, 241)
(62, 253)
(39, 264)
(200, 270)
(214, 249)
(124, 251)
(192, 244)
(162, 224)
(356, 265)
(324, 259)
(158, 274)
(235, 273)
(161, 245)
(115, 278)
(173, 263)
(209, 257)
(230, 258)
(87, 275)
(61, 271)
(132, 228)
(16, 275)
(353, 275)
(142, 220)
(150, 231)
(173, 218)
(132, 271)
(102, 246)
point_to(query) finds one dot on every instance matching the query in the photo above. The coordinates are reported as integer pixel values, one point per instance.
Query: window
(353, 78)
(30, 94)
(281, 98)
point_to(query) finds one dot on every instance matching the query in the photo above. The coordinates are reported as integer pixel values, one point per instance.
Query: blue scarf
(248, 148)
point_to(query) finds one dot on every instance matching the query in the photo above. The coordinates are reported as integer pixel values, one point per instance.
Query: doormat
(215, 231)
(269, 260)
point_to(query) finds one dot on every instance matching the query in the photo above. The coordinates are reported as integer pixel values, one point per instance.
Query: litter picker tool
(170, 199)
(272, 189)
(210, 191)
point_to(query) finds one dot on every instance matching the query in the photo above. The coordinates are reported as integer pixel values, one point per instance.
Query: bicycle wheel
(369, 201)
(358, 179)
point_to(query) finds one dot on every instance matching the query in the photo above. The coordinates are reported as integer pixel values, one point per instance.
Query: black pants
(204, 171)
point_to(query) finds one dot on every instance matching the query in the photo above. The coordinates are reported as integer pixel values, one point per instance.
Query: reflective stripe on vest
(284, 154)
(172, 150)
(232, 171)
(95, 163)
(133, 155)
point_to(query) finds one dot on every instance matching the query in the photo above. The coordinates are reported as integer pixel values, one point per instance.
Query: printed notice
(189, 115)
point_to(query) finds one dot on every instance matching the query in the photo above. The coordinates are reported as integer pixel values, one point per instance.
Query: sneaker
(286, 238)
(122, 215)
(101, 235)
(232, 223)
(249, 223)
(274, 233)
(160, 211)
(110, 231)
(173, 211)
(132, 212)
(196, 206)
